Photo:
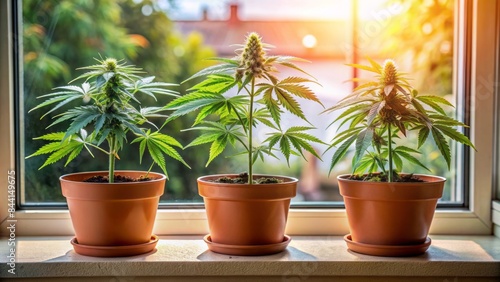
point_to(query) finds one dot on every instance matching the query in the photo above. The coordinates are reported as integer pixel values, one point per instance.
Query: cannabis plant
(261, 98)
(108, 106)
(382, 110)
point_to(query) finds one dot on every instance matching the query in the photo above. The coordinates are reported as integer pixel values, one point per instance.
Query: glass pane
(170, 39)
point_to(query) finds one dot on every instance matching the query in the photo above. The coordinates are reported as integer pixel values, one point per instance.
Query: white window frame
(476, 220)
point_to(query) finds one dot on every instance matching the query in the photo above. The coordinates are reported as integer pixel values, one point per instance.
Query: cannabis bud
(389, 73)
(252, 58)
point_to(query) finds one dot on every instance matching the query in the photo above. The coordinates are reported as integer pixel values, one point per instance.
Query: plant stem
(389, 175)
(250, 132)
(112, 152)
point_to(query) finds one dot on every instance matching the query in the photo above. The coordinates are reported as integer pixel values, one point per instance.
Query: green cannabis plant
(108, 106)
(261, 98)
(382, 110)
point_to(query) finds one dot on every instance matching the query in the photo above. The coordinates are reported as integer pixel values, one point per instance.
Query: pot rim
(430, 179)
(286, 179)
(105, 172)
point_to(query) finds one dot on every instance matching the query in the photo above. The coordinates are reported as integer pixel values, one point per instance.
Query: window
(44, 56)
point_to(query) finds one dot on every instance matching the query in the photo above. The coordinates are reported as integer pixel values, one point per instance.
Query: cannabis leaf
(380, 111)
(64, 146)
(261, 98)
(110, 109)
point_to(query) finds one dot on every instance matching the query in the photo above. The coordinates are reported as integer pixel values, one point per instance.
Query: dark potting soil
(118, 179)
(242, 178)
(382, 177)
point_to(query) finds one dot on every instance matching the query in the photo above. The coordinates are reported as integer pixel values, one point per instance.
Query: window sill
(450, 258)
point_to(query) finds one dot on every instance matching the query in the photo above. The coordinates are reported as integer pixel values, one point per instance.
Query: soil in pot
(382, 177)
(118, 179)
(242, 178)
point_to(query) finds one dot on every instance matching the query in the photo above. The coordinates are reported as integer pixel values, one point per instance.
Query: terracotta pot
(112, 214)
(243, 214)
(381, 213)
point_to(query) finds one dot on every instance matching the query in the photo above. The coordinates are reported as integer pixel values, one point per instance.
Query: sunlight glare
(309, 41)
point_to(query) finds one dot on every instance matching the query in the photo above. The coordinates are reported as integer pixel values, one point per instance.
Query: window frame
(479, 62)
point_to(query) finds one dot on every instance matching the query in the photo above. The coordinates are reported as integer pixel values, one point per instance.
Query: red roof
(331, 37)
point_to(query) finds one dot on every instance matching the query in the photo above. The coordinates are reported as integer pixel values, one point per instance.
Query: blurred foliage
(60, 36)
(423, 34)
(421, 37)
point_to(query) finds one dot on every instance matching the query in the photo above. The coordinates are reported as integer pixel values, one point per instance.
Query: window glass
(171, 39)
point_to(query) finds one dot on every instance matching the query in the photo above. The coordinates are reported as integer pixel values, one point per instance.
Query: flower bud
(253, 56)
(389, 73)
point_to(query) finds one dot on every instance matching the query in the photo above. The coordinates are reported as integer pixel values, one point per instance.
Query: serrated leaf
(217, 69)
(351, 110)
(349, 103)
(422, 136)
(285, 149)
(410, 158)
(80, 122)
(445, 120)
(188, 98)
(55, 136)
(365, 163)
(362, 67)
(167, 139)
(63, 100)
(339, 138)
(157, 156)
(273, 139)
(370, 85)
(299, 91)
(363, 141)
(435, 99)
(442, 145)
(374, 111)
(295, 79)
(432, 104)
(217, 148)
(418, 106)
(375, 65)
(169, 150)
(273, 106)
(293, 66)
(290, 103)
(398, 162)
(204, 138)
(142, 149)
(406, 149)
(302, 144)
(455, 135)
(46, 149)
(74, 153)
(99, 123)
(340, 152)
(299, 128)
(58, 150)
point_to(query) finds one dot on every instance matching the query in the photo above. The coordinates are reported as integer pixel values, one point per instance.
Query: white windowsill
(450, 258)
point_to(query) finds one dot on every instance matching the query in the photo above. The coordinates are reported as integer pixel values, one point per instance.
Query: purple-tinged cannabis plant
(382, 110)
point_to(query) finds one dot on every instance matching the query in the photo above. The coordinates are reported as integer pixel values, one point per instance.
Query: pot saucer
(246, 250)
(115, 251)
(387, 250)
